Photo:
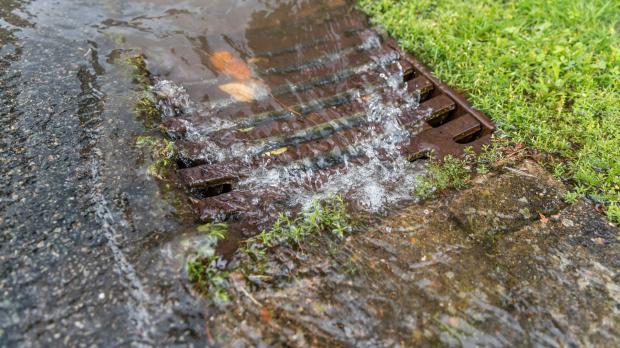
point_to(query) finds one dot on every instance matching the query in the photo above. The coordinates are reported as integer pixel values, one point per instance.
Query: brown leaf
(276, 152)
(239, 91)
(265, 315)
(543, 218)
(245, 92)
(258, 60)
(226, 63)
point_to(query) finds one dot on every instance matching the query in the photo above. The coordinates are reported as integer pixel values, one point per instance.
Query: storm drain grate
(306, 110)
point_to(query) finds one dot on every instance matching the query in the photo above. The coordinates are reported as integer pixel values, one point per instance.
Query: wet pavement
(93, 249)
(82, 225)
(428, 275)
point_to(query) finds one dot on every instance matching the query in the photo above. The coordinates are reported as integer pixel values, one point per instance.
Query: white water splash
(384, 178)
(374, 184)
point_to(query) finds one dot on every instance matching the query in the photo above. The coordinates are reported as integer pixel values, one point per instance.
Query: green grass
(547, 72)
(329, 215)
(202, 268)
(451, 173)
(455, 173)
(209, 278)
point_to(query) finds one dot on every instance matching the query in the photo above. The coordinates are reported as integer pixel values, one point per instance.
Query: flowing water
(93, 249)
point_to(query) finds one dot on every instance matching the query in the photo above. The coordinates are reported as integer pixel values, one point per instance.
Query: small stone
(567, 223)
(450, 275)
(525, 212)
(102, 296)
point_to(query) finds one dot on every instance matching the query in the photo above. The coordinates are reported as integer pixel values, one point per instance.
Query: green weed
(329, 215)
(209, 278)
(146, 109)
(451, 173)
(161, 152)
(203, 269)
(218, 231)
(571, 196)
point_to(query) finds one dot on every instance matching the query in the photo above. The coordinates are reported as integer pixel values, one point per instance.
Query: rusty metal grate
(317, 117)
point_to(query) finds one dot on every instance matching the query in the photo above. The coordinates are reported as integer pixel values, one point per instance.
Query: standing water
(94, 247)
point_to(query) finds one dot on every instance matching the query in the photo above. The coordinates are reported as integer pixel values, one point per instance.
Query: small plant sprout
(162, 153)
(451, 173)
(218, 231)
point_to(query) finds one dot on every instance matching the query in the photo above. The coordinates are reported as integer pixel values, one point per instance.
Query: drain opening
(469, 137)
(211, 191)
(319, 130)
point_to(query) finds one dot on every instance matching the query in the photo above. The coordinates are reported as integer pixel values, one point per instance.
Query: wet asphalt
(79, 221)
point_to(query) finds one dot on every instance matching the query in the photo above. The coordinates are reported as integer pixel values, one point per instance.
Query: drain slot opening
(319, 130)
(212, 191)
(467, 138)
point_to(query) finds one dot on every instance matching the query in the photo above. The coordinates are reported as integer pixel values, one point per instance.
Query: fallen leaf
(276, 151)
(239, 91)
(265, 315)
(256, 60)
(226, 63)
(543, 218)
(246, 91)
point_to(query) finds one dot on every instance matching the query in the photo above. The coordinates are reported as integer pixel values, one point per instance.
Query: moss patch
(161, 152)
(145, 106)
(146, 110)
(142, 77)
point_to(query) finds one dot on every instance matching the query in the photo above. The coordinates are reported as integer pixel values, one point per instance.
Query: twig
(508, 157)
(284, 106)
(520, 172)
(246, 293)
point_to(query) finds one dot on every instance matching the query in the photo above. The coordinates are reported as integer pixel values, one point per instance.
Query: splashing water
(385, 178)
